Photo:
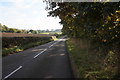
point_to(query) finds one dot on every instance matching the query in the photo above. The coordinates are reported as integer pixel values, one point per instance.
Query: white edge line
(13, 72)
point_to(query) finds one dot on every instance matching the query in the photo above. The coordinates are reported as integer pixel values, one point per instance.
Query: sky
(27, 14)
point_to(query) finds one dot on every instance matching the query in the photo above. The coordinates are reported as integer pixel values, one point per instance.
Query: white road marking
(50, 46)
(40, 53)
(45, 49)
(34, 57)
(13, 72)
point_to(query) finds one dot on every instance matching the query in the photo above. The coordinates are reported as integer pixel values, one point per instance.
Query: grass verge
(89, 64)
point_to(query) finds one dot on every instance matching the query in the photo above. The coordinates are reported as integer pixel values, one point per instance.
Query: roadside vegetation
(11, 45)
(16, 40)
(88, 63)
(6, 29)
(94, 32)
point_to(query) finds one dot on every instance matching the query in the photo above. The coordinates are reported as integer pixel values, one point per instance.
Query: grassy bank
(12, 45)
(89, 63)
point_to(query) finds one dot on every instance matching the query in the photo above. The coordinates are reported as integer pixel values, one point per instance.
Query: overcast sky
(26, 14)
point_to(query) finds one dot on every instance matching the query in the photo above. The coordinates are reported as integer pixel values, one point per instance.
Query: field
(16, 42)
(51, 33)
(24, 35)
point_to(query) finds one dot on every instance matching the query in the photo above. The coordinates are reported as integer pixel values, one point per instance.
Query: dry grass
(24, 35)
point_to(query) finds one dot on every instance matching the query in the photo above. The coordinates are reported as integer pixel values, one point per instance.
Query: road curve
(45, 61)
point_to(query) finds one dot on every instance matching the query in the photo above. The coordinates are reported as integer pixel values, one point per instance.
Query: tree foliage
(5, 29)
(98, 22)
(92, 20)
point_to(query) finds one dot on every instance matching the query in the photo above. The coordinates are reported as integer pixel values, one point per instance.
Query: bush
(15, 44)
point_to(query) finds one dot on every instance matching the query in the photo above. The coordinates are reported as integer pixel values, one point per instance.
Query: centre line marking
(13, 72)
(45, 50)
(52, 44)
(40, 53)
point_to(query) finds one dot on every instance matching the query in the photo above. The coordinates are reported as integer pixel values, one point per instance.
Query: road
(45, 61)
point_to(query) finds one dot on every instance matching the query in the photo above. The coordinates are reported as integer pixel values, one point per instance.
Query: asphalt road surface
(45, 61)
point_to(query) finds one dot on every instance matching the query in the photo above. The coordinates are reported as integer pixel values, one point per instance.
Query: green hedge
(15, 44)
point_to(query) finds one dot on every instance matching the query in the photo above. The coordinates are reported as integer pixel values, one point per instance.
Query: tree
(78, 20)
(47, 30)
(33, 31)
(19, 31)
(5, 28)
(95, 21)
(1, 27)
(12, 30)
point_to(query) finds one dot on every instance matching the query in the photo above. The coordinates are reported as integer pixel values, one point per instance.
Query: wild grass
(90, 64)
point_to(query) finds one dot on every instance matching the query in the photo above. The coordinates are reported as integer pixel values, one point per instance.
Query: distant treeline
(5, 29)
